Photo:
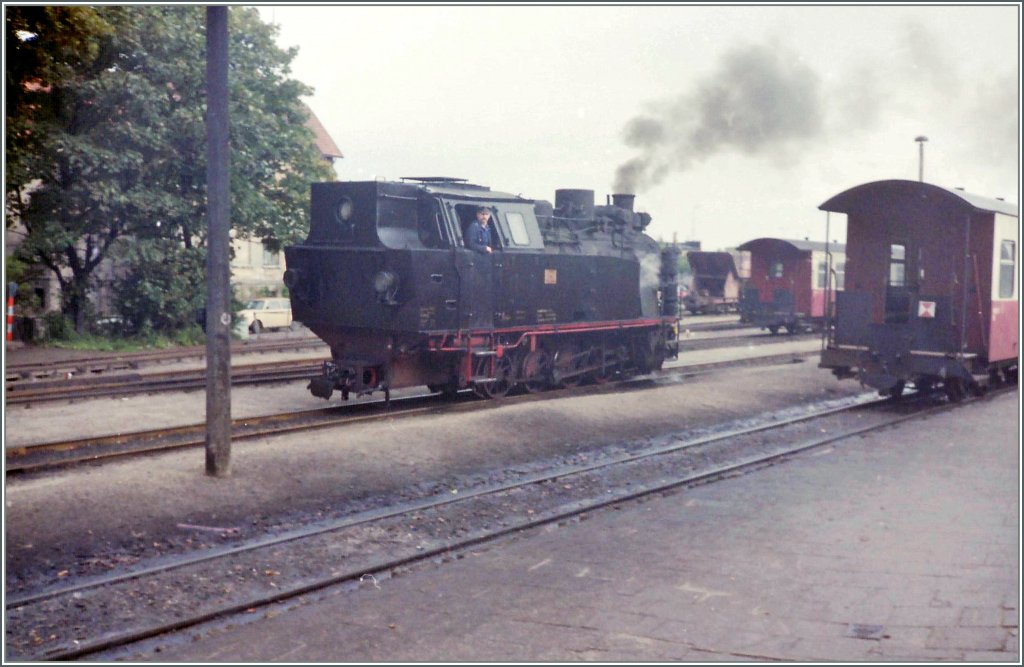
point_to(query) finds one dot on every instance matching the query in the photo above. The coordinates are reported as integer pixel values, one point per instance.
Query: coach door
(475, 273)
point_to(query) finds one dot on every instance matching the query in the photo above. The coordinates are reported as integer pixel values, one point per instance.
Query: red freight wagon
(716, 283)
(931, 289)
(788, 283)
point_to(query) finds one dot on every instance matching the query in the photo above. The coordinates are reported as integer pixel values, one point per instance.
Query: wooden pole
(218, 300)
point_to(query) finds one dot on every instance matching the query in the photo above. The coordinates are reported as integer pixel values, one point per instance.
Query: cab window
(465, 214)
(775, 269)
(517, 228)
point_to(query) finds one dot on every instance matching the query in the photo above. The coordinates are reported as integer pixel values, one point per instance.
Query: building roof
(860, 195)
(324, 142)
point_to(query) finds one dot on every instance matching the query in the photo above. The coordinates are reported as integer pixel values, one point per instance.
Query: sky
(729, 123)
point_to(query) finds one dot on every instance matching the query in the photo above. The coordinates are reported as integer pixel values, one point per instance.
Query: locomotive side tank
(571, 291)
(932, 288)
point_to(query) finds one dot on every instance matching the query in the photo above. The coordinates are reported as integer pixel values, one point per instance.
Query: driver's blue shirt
(478, 237)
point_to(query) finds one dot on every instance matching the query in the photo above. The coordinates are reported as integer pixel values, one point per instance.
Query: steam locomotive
(573, 292)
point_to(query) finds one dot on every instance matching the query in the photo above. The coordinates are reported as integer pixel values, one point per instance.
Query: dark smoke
(760, 98)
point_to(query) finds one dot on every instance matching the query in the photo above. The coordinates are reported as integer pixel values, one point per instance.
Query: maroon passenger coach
(931, 289)
(788, 283)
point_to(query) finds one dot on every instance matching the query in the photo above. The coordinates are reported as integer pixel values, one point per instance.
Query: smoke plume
(760, 98)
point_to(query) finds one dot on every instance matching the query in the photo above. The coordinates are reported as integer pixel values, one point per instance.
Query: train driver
(478, 234)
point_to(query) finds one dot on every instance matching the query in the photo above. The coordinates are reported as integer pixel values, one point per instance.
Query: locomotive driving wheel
(599, 360)
(567, 362)
(504, 376)
(535, 372)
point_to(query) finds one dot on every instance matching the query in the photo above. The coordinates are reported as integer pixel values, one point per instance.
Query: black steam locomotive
(572, 292)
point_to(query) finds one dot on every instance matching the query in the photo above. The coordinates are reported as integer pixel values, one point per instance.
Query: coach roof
(863, 195)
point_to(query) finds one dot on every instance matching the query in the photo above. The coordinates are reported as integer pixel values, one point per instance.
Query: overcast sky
(728, 122)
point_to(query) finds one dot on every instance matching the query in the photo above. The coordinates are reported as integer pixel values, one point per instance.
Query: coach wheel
(567, 363)
(924, 385)
(792, 327)
(257, 326)
(897, 390)
(774, 329)
(502, 382)
(956, 390)
(535, 371)
(1010, 375)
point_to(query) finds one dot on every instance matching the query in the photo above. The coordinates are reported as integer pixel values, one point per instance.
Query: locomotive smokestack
(623, 201)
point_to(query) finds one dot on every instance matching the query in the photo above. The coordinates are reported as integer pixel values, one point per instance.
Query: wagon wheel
(773, 328)
(956, 390)
(502, 382)
(896, 391)
(568, 362)
(535, 371)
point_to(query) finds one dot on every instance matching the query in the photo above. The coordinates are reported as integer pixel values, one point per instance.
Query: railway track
(86, 384)
(136, 383)
(100, 364)
(103, 613)
(29, 458)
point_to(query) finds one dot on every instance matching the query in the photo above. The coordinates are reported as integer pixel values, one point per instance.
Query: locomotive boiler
(572, 292)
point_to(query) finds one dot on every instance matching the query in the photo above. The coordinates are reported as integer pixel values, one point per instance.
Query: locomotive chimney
(623, 201)
(575, 203)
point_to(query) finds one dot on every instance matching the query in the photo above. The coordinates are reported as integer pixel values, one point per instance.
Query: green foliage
(113, 142)
(102, 343)
(162, 287)
(57, 326)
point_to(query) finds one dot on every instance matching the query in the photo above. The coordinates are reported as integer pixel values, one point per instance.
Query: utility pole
(920, 157)
(218, 206)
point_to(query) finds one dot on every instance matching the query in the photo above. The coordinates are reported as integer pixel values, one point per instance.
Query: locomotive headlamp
(344, 210)
(385, 284)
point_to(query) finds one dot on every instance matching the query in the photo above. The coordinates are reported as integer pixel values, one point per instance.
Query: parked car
(260, 314)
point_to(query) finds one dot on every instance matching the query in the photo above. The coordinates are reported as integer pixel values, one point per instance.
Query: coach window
(1007, 267)
(840, 275)
(822, 275)
(897, 265)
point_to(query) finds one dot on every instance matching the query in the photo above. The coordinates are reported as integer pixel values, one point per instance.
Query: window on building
(1007, 268)
(271, 258)
(897, 265)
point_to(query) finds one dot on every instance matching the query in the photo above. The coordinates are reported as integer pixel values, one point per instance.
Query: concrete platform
(898, 546)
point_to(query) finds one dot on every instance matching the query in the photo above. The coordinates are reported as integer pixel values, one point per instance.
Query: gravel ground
(132, 508)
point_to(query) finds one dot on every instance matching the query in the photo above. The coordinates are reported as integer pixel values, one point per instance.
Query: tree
(118, 137)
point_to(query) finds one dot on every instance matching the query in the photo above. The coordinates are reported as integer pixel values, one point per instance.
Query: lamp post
(920, 157)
